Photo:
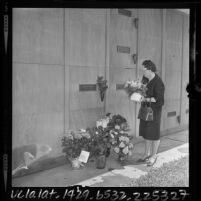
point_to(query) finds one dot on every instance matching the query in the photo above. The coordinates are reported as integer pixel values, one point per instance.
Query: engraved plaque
(171, 114)
(123, 49)
(87, 87)
(187, 110)
(119, 86)
(125, 12)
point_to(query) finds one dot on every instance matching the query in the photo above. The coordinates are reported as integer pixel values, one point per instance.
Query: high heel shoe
(151, 163)
(142, 160)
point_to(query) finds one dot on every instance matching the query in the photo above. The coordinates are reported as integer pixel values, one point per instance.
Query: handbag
(146, 112)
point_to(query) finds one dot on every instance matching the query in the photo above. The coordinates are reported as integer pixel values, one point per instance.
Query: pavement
(172, 147)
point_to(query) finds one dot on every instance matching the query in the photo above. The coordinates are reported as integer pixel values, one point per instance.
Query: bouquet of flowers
(121, 143)
(100, 141)
(117, 122)
(136, 90)
(73, 143)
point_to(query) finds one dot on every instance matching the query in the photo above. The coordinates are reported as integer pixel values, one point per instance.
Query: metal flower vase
(101, 162)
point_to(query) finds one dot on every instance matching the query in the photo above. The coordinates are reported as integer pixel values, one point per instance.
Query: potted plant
(73, 143)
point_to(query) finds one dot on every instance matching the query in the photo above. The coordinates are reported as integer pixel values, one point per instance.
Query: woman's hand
(152, 99)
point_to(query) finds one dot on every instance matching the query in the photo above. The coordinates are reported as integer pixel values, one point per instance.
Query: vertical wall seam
(182, 62)
(107, 57)
(163, 38)
(64, 69)
(136, 107)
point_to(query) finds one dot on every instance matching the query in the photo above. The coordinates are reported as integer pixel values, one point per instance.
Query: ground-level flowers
(121, 143)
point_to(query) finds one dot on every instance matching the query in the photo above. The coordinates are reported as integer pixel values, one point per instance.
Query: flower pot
(101, 162)
(121, 159)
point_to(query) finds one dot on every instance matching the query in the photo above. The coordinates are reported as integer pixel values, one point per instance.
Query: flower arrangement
(117, 121)
(100, 141)
(110, 131)
(136, 90)
(74, 142)
(121, 141)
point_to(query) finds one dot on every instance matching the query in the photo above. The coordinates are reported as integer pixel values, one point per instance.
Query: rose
(116, 149)
(121, 145)
(98, 123)
(125, 150)
(126, 139)
(117, 127)
(77, 136)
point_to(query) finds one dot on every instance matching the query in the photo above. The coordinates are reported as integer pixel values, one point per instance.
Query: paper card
(84, 155)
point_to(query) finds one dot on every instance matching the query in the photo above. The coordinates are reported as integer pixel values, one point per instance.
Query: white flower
(83, 130)
(130, 146)
(104, 123)
(96, 132)
(117, 127)
(115, 133)
(116, 149)
(121, 145)
(98, 123)
(125, 150)
(126, 139)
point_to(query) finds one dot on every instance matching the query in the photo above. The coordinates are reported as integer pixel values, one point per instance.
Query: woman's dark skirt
(150, 130)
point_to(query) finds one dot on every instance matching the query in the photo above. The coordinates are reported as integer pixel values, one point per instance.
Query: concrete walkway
(172, 147)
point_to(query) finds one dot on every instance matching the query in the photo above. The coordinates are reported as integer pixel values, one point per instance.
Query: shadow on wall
(28, 157)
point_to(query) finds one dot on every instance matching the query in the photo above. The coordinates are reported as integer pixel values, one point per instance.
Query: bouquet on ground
(73, 143)
(136, 90)
(121, 143)
(100, 141)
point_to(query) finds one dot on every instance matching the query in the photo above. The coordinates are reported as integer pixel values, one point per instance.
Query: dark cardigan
(155, 88)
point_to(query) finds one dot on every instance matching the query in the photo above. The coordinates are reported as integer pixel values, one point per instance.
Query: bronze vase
(101, 162)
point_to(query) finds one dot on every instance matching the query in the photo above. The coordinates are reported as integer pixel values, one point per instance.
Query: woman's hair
(149, 65)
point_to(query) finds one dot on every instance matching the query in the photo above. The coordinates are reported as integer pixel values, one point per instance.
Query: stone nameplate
(125, 12)
(123, 49)
(87, 87)
(119, 86)
(171, 114)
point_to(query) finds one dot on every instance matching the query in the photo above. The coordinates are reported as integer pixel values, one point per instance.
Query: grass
(172, 174)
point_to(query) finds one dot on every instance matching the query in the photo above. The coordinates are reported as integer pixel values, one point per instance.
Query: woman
(150, 130)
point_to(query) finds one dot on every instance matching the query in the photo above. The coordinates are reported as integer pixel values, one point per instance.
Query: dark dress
(150, 130)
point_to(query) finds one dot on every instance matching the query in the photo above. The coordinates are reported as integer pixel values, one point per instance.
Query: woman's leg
(155, 145)
(147, 148)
